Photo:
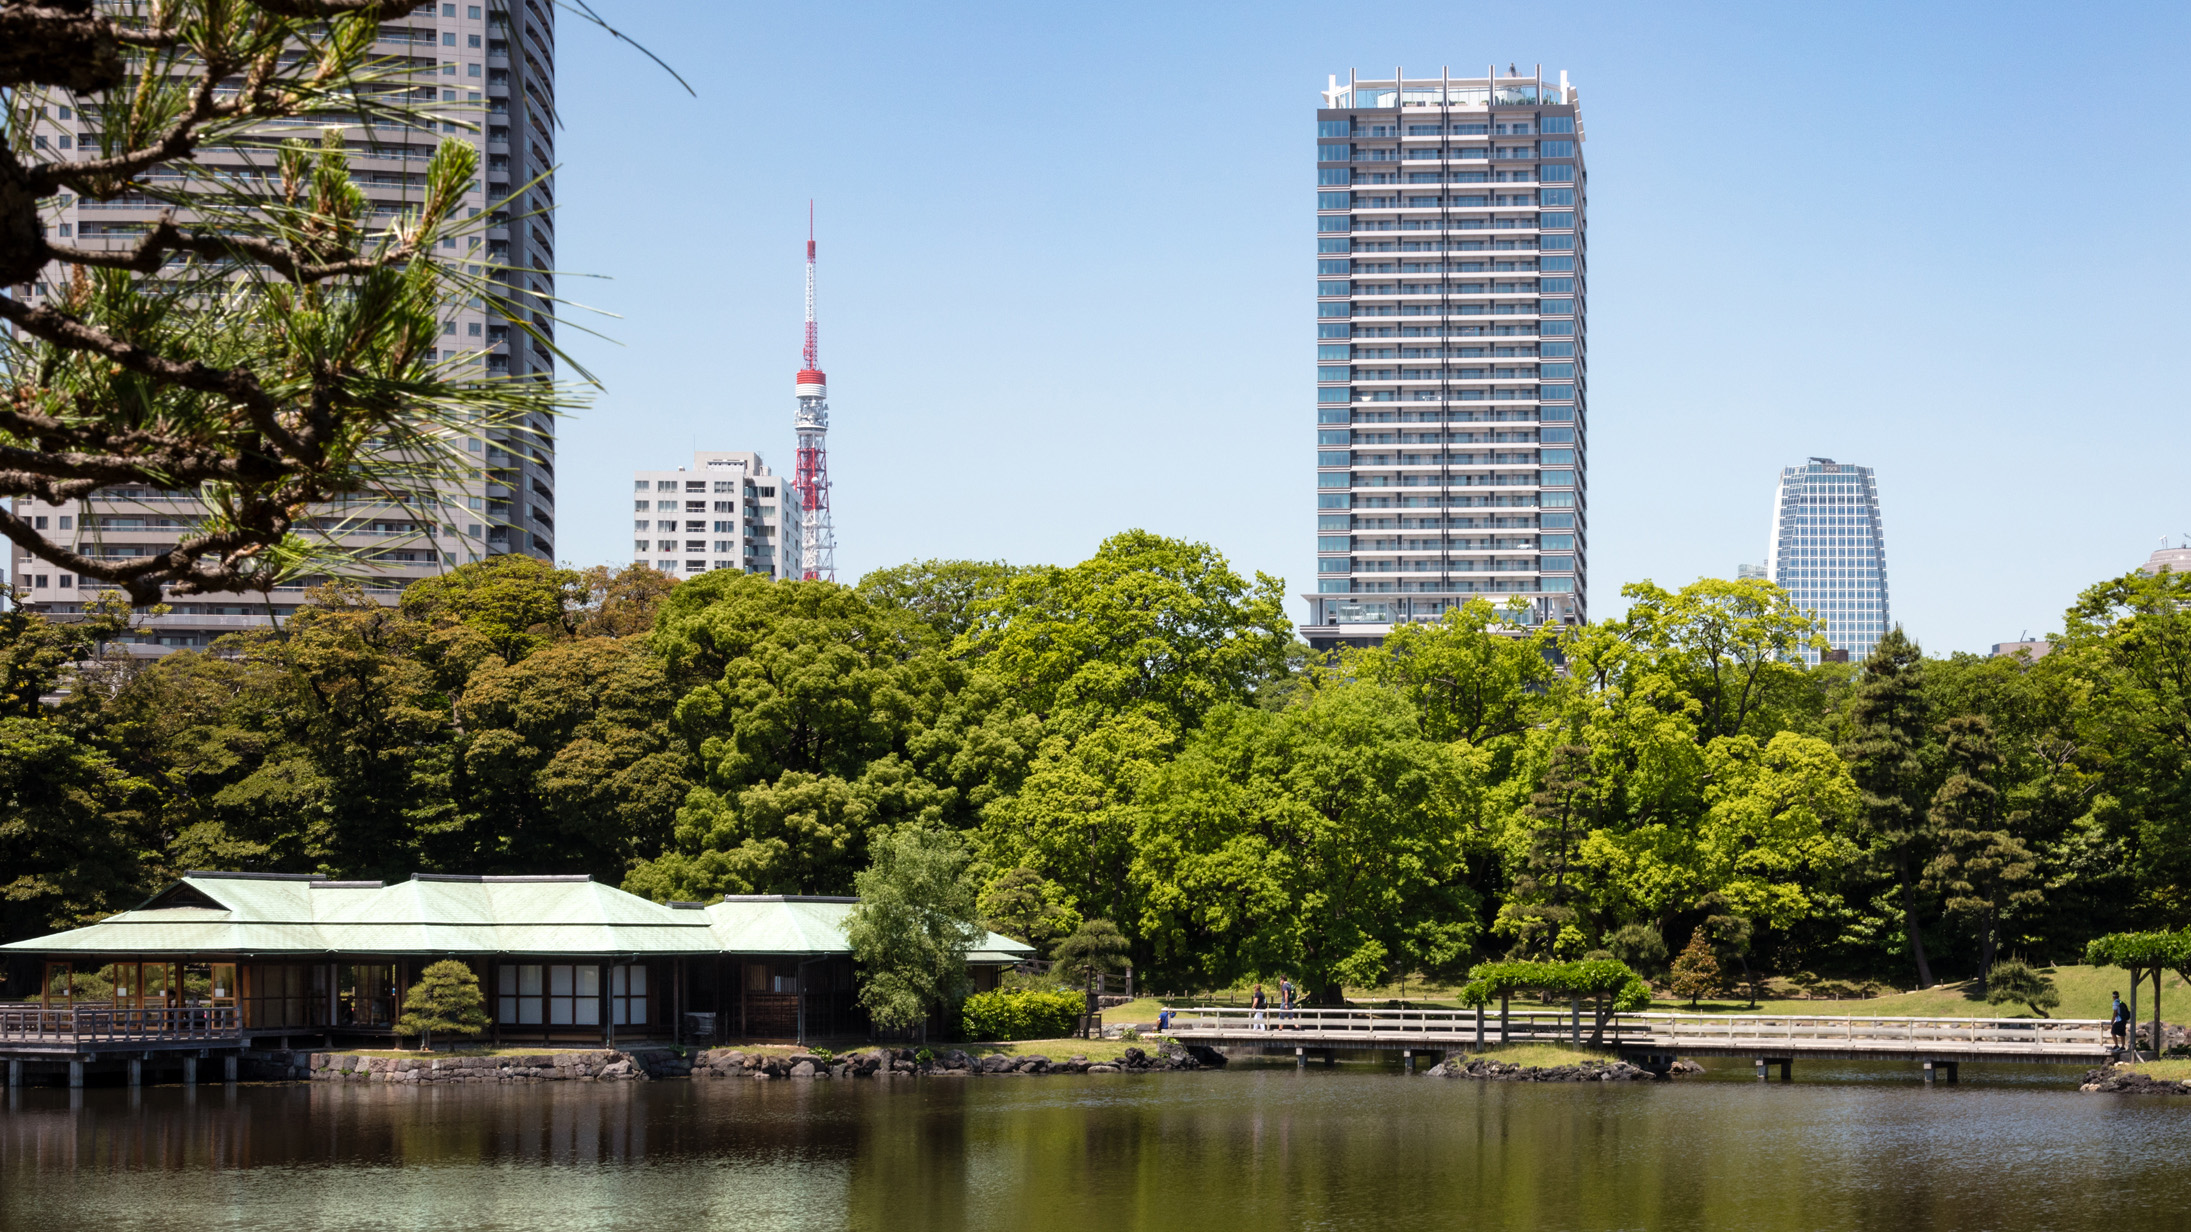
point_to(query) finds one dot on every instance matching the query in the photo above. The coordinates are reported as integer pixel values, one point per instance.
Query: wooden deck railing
(106, 1024)
(1671, 1032)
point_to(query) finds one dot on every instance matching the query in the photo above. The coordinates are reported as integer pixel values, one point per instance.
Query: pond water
(1357, 1147)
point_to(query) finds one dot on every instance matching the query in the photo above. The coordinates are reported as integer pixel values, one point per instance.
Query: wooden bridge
(1656, 1039)
(118, 1037)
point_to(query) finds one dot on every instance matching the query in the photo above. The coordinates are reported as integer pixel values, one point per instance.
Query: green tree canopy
(913, 927)
(1328, 841)
(445, 999)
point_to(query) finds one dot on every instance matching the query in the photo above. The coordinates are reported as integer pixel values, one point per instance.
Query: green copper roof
(259, 914)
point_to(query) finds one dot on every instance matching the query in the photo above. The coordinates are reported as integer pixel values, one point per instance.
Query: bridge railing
(106, 1024)
(1824, 1032)
(1397, 1025)
(2081, 1035)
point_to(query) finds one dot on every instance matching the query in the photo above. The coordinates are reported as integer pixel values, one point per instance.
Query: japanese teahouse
(242, 960)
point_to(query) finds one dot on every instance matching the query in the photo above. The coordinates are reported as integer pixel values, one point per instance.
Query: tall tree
(1538, 913)
(1982, 869)
(1733, 646)
(1328, 841)
(1146, 623)
(1883, 736)
(913, 927)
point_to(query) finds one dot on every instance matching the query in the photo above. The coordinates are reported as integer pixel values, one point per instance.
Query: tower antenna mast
(817, 537)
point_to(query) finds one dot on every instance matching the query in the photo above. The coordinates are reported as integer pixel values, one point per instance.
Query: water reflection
(1261, 1149)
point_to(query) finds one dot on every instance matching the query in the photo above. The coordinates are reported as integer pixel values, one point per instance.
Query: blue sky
(1066, 255)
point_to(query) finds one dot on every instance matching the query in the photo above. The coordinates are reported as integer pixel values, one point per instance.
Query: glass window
(1332, 128)
(628, 996)
(1334, 200)
(365, 995)
(1339, 268)
(1328, 437)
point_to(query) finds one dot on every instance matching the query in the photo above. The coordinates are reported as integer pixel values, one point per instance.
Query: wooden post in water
(76, 1073)
(190, 1071)
(15, 1073)
(1300, 1058)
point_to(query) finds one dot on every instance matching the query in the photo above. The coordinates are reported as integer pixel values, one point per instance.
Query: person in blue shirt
(2120, 1020)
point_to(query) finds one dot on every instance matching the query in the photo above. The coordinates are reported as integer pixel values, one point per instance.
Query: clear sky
(1066, 255)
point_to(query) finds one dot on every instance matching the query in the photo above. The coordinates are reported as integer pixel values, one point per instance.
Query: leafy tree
(502, 608)
(623, 602)
(1095, 948)
(1883, 736)
(913, 926)
(1076, 816)
(445, 999)
(1732, 935)
(1023, 904)
(1982, 869)
(286, 355)
(569, 764)
(2013, 981)
(1328, 840)
(812, 720)
(1733, 646)
(2128, 644)
(1696, 970)
(78, 836)
(945, 596)
(1476, 675)
(1147, 623)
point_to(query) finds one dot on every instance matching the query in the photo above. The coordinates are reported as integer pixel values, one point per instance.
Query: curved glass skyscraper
(1829, 550)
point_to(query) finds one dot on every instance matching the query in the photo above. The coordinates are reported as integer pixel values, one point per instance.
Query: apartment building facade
(1451, 351)
(729, 511)
(492, 67)
(1829, 552)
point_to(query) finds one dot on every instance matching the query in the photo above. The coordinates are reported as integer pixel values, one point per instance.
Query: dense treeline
(1139, 738)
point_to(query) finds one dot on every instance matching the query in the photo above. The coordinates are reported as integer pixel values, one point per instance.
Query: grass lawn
(2171, 1071)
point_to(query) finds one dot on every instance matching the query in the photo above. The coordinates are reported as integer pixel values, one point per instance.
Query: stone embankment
(597, 1066)
(1485, 1069)
(907, 1063)
(639, 1065)
(2118, 1080)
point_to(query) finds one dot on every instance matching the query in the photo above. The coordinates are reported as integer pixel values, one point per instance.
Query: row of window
(697, 485)
(1355, 585)
(1388, 128)
(1343, 436)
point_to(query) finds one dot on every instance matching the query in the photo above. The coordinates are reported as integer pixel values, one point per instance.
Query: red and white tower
(817, 537)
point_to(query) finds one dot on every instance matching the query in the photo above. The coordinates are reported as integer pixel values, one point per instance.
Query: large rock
(2121, 1080)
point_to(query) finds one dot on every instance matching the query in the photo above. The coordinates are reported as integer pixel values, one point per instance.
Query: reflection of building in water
(234, 960)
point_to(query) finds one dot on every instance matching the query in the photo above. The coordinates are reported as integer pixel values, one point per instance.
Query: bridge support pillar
(136, 1072)
(1301, 1061)
(1407, 1060)
(228, 1068)
(15, 1073)
(190, 1071)
(1331, 1057)
(76, 1073)
(1947, 1070)
(1765, 1066)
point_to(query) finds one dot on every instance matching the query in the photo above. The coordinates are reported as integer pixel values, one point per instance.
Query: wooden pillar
(1574, 1009)
(1479, 1028)
(1407, 1060)
(228, 1068)
(136, 1071)
(1761, 1070)
(1787, 1069)
(676, 1000)
(1928, 1073)
(76, 1073)
(190, 1071)
(1300, 1058)
(608, 1020)
(1503, 997)
(15, 1073)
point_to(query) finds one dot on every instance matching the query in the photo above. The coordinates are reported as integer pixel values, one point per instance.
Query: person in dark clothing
(2120, 1021)
(1258, 1002)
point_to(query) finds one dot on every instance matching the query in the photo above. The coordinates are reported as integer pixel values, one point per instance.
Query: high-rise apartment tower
(493, 65)
(1451, 406)
(727, 512)
(1829, 551)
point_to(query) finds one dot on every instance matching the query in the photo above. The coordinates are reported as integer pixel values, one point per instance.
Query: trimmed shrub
(1021, 1013)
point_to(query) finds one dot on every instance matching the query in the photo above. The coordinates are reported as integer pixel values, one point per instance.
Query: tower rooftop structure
(817, 548)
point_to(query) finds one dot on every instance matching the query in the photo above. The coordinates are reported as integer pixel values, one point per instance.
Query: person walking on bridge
(1258, 1002)
(1285, 1001)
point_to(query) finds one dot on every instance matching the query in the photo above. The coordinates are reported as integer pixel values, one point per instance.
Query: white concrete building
(728, 511)
(1829, 551)
(1451, 421)
(492, 64)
